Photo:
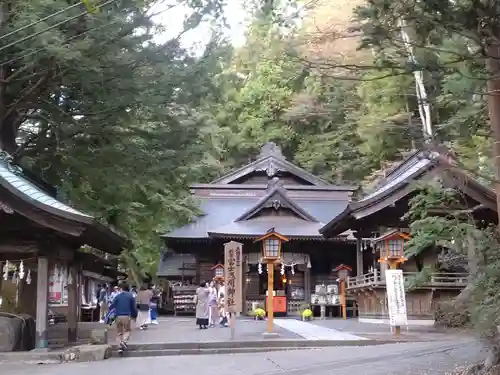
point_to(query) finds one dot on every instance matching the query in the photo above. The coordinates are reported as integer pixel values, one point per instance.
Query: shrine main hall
(269, 192)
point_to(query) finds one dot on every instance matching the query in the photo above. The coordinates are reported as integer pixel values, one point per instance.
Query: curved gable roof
(271, 160)
(95, 233)
(407, 172)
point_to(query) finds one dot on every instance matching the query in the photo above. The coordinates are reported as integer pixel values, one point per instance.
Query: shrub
(259, 313)
(307, 313)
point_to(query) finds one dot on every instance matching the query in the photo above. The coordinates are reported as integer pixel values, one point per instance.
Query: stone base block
(99, 336)
(86, 353)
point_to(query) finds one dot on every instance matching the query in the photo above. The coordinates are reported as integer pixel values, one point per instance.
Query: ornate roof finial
(271, 149)
(274, 182)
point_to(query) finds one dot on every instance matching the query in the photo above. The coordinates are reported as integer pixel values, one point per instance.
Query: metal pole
(270, 287)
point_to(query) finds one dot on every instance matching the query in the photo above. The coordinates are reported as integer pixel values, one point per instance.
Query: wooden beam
(18, 247)
(17, 256)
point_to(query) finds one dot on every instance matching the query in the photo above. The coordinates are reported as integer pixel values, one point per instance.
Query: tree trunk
(8, 137)
(493, 68)
(492, 50)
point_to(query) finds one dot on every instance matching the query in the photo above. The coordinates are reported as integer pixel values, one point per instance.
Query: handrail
(437, 279)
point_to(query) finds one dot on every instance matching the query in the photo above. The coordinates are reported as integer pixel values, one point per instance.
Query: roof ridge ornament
(274, 183)
(8, 160)
(271, 149)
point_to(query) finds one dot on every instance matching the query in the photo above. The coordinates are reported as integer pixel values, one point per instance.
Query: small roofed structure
(378, 219)
(40, 238)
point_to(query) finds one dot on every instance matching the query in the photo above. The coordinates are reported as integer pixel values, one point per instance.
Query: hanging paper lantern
(28, 278)
(293, 269)
(282, 269)
(259, 268)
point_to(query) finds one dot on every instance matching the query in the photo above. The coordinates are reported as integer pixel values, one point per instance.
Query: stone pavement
(310, 331)
(417, 358)
(180, 336)
(184, 330)
(383, 332)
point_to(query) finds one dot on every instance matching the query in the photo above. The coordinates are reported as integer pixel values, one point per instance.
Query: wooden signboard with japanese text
(233, 276)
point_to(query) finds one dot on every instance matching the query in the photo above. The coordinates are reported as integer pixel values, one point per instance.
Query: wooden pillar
(198, 270)
(1, 277)
(42, 296)
(244, 284)
(72, 304)
(307, 285)
(80, 290)
(359, 257)
(383, 268)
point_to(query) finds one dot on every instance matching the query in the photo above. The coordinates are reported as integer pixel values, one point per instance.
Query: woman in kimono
(202, 308)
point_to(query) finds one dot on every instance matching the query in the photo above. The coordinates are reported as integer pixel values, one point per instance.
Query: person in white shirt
(213, 311)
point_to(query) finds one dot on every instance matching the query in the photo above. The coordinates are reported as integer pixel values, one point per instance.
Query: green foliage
(108, 115)
(436, 219)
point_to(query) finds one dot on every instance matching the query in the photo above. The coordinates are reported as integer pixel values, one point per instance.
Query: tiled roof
(220, 212)
(93, 232)
(288, 226)
(401, 174)
(31, 191)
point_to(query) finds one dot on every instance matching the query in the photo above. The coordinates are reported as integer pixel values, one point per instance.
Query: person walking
(114, 293)
(155, 303)
(202, 310)
(212, 305)
(125, 307)
(143, 302)
(103, 298)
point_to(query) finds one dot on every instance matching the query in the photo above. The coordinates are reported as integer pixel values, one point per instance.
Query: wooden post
(270, 293)
(343, 299)
(1, 281)
(232, 325)
(244, 286)
(72, 304)
(359, 257)
(42, 296)
(307, 285)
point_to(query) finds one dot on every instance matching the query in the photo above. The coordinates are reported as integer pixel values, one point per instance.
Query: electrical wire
(40, 21)
(66, 41)
(31, 36)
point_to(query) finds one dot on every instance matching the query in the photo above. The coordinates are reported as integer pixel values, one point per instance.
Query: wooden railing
(436, 280)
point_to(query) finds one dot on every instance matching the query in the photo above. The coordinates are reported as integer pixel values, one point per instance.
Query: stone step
(264, 344)
(175, 352)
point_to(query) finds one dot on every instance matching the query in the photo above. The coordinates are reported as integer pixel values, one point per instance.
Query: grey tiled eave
(221, 212)
(32, 192)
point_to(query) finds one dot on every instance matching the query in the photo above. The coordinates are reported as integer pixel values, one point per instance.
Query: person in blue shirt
(125, 307)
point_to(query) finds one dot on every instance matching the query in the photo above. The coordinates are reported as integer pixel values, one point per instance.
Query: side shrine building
(243, 205)
(378, 218)
(52, 256)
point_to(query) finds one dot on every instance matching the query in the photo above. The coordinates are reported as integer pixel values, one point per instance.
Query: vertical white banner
(396, 297)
